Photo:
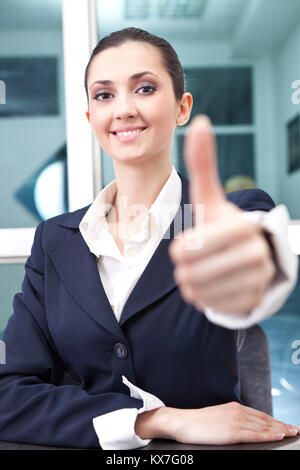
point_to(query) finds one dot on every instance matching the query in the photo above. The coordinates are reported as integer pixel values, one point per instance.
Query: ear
(87, 113)
(185, 108)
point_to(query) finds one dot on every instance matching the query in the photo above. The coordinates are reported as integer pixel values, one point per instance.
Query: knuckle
(230, 405)
(256, 280)
(258, 293)
(186, 276)
(260, 252)
(186, 294)
(182, 274)
(265, 250)
(267, 427)
(253, 299)
(246, 303)
(268, 435)
(191, 291)
(236, 411)
(235, 405)
(271, 270)
(200, 305)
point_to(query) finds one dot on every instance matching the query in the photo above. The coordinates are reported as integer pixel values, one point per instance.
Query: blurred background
(241, 63)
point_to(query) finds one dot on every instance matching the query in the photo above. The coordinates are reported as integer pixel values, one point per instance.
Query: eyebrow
(136, 76)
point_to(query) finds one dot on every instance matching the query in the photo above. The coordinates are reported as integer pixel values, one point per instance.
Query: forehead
(125, 60)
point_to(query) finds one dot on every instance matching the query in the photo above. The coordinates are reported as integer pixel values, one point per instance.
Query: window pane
(11, 278)
(235, 160)
(223, 93)
(33, 180)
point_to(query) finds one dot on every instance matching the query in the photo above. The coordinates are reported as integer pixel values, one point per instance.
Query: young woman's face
(136, 93)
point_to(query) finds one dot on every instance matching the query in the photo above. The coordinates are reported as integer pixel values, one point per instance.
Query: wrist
(153, 424)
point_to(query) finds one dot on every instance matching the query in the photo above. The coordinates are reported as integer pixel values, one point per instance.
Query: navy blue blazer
(66, 352)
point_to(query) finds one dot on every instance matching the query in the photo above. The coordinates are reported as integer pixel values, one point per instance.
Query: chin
(130, 158)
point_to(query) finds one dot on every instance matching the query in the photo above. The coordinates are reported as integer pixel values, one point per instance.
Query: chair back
(255, 371)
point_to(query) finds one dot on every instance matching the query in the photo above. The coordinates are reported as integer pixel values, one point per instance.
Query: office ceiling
(217, 19)
(252, 27)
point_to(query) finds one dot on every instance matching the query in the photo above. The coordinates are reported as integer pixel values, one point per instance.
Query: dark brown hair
(169, 56)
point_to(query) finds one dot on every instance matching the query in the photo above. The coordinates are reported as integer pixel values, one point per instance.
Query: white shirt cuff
(275, 223)
(115, 430)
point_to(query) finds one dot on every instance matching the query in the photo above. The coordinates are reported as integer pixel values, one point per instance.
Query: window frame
(83, 151)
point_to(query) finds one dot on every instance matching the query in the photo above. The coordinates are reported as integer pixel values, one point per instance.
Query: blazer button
(121, 351)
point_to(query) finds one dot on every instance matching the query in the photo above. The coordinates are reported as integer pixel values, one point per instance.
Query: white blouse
(120, 273)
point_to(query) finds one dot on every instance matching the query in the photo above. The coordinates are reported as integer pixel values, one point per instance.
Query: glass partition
(283, 333)
(11, 278)
(33, 163)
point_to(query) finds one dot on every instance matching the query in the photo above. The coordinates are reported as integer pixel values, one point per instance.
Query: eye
(102, 96)
(149, 89)
(105, 95)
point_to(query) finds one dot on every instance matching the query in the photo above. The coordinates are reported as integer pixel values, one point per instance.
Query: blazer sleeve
(35, 405)
(252, 199)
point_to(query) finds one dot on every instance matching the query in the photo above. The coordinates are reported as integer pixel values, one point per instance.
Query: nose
(125, 107)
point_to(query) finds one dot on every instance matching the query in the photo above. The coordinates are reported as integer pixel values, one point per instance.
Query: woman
(100, 313)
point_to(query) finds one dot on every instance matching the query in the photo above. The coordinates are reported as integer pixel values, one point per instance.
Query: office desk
(289, 443)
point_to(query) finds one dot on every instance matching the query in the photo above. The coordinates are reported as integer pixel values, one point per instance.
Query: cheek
(163, 117)
(166, 123)
(98, 124)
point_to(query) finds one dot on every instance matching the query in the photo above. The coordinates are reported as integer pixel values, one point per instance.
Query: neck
(138, 185)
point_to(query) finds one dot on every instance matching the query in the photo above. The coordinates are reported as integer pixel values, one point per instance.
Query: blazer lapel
(77, 268)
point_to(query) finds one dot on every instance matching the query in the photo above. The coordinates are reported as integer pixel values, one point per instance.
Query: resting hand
(230, 423)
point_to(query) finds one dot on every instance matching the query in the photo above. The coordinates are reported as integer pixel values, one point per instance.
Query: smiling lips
(127, 134)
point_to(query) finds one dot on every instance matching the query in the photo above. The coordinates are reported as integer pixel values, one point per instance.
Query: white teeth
(136, 131)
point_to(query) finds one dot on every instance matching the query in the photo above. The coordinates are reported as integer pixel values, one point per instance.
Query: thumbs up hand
(224, 262)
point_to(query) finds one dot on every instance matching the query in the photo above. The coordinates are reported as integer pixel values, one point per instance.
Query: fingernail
(202, 119)
(280, 435)
(293, 429)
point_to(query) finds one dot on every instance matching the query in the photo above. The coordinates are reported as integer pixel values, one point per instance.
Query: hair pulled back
(168, 54)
